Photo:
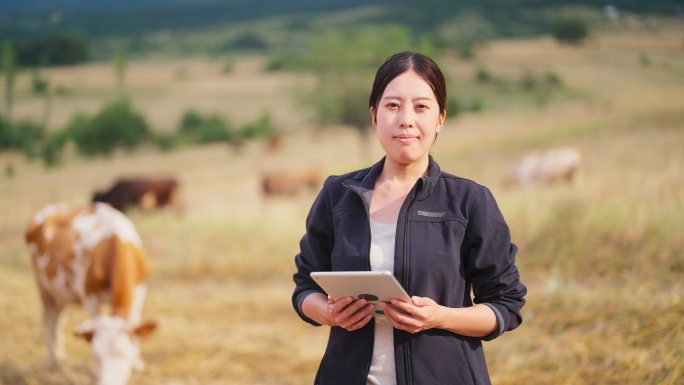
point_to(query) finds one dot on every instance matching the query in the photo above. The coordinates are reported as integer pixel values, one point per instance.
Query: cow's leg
(135, 316)
(52, 322)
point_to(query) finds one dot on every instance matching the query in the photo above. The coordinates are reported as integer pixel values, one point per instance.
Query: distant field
(603, 258)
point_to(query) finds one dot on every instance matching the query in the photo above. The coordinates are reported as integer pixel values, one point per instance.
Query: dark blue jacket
(451, 238)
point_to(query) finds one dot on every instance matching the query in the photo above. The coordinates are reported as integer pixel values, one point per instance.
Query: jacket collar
(425, 185)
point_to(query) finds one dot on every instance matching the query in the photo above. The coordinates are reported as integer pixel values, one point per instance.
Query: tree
(8, 70)
(344, 68)
(120, 67)
(571, 31)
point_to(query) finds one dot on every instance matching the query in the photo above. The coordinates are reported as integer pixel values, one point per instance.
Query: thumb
(330, 300)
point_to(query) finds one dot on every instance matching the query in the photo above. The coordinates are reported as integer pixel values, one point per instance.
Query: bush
(571, 31)
(205, 130)
(51, 151)
(453, 107)
(58, 49)
(39, 85)
(258, 129)
(24, 136)
(552, 80)
(251, 41)
(117, 125)
(289, 61)
(166, 142)
(483, 76)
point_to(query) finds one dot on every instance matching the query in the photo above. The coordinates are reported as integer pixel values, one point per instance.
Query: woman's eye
(421, 107)
(392, 105)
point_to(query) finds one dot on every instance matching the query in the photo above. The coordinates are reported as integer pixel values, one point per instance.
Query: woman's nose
(406, 119)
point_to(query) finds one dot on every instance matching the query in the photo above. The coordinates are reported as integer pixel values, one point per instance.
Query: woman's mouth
(405, 138)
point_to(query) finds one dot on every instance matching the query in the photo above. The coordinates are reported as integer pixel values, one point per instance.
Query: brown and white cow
(93, 257)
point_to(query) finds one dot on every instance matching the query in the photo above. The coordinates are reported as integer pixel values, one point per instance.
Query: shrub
(117, 125)
(483, 76)
(248, 40)
(205, 130)
(39, 85)
(58, 49)
(552, 80)
(51, 151)
(23, 136)
(289, 61)
(258, 129)
(528, 82)
(453, 107)
(29, 137)
(167, 142)
(571, 31)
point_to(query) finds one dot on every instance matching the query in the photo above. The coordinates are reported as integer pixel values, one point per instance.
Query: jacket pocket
(440, 357)
(469, 361)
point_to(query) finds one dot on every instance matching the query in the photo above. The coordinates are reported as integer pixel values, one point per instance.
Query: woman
(441, 235)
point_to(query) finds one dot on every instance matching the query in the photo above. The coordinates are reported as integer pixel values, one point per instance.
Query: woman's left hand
(422, 313)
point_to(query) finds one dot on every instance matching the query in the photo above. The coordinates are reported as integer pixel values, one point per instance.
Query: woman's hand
(422, 313)
(348, 313)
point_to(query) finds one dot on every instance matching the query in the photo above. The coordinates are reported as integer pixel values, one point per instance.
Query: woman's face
(407, 119)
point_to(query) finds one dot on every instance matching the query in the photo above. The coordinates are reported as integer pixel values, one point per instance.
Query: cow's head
(115, 343)
(100, 196)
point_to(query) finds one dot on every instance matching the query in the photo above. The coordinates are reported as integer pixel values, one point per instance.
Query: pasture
(603, 258)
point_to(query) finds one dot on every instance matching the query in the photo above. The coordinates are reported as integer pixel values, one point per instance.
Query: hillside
(602, 257)
(136, 24)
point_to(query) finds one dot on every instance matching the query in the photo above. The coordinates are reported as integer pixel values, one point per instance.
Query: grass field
(603, 258)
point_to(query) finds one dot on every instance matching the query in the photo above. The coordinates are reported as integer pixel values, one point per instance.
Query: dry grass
(603, 258)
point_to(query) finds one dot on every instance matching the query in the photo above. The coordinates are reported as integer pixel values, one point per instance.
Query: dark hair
(401, 62)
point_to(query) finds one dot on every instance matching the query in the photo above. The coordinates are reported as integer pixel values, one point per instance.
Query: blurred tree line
(119, 126)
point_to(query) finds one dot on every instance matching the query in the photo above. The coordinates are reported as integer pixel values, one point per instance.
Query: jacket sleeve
(315, 248)
(490, 263)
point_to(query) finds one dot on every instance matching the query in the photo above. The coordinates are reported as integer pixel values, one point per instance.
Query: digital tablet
(373, 286)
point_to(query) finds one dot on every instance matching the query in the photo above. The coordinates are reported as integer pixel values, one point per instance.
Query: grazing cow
(142, 193)
(550, 166)
(274, 142)
(93, 257)
(288, 184)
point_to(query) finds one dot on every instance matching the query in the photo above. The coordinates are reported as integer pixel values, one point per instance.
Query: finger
(353, 308)
(406, 307)
(360, 323)
(402, 317)
(407, 328)
(350, 319)
(341, 304)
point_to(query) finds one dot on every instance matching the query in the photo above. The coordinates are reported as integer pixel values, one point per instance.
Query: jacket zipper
(404, 280)
(405, 284)
(368, 267)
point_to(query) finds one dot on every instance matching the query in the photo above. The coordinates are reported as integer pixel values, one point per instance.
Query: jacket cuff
(499, 323)
(298, 304)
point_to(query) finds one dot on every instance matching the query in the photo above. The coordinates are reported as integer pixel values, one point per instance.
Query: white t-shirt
(382, 370)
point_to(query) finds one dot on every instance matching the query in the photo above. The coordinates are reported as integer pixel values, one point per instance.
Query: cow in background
(289, 183)
(556, 165)
(92, 257)
(143, 193)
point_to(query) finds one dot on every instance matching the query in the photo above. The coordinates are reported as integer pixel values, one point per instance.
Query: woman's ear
(372, 114)
(440, 120)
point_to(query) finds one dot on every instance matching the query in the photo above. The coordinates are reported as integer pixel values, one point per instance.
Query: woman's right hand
(348, 313)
